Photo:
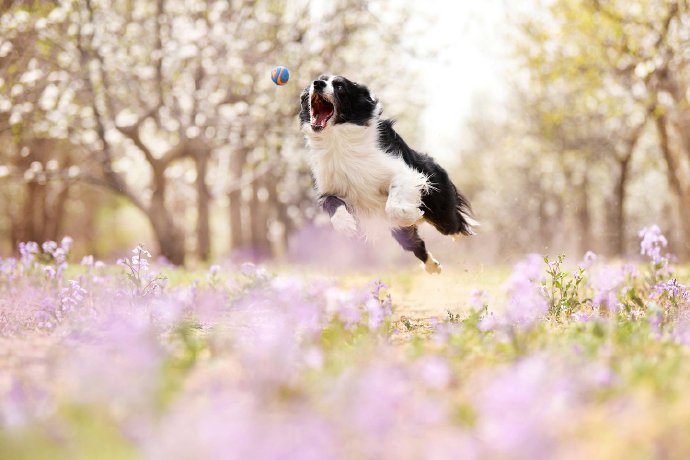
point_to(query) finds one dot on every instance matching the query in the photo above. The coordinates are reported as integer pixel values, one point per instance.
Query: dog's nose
(319, 84)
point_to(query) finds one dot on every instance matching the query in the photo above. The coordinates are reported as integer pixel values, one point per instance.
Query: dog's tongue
(321, 119)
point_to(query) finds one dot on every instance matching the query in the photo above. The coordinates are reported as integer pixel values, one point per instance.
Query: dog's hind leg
(342, 220)
(409, 239)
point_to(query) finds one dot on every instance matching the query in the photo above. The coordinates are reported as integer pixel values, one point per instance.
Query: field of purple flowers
(114, 361)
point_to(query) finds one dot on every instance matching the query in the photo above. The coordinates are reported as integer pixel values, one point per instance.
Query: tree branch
(112, 179)
(132, 132)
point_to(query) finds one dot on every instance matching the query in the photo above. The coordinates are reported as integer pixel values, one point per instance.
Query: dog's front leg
(341, 218)
(405, 199)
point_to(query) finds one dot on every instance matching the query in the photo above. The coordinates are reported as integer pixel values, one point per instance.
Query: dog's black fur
(444, 206)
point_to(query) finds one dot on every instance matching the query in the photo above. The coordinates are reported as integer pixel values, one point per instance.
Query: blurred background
(566, 123)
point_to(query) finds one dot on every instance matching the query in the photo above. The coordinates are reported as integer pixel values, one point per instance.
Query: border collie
(362, 167)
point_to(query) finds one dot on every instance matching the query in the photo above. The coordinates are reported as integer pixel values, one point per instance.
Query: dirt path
(417, 294)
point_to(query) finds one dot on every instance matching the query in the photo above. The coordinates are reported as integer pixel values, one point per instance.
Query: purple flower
(28, 253)
(652, 242)
(526, 304)
(375, 313)
(588, 259)
(680, 331)
(523, 408)
(66, 244)
(582, 316)
(674, 289)
(71, 297)
(434, 371)
(606, 282)
(49, 247)
(487, 323)
(478, 299)
(377, 286)
(8, 266)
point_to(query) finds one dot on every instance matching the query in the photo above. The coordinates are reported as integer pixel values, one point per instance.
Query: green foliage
(563, 289)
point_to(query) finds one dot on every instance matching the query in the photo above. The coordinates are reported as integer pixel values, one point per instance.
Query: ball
(280, 75)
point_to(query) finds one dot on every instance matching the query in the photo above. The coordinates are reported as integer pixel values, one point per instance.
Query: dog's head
(330, 100)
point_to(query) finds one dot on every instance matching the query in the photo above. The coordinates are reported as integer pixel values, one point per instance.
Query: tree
(156, 89)
(595, 71)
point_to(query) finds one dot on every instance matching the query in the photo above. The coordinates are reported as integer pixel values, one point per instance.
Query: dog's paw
(344, 222)
(432, 265)
(404, 215)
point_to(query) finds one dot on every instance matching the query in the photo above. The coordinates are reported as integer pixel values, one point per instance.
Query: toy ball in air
(280, 75)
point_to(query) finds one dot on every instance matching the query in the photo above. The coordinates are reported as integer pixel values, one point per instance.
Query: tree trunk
(53, 225)
(618, 217)
(261, 246)
(203, 231)
(235, 199)
(583, 217)
(684, 250)
(281, 214)
(170, 238)
(679, 184)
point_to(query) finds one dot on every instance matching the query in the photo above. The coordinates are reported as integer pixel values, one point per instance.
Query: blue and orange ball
(280, 75)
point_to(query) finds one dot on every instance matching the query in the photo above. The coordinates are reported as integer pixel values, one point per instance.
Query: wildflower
(478, 299)
(487, 323)
(139, 250)
(50, 272)
(248, 268)
(66, 244)
(606, 282)
(313, 358)
(652, 242)
(49, 247)
(434, 371)
(675, 290)
(526, 303)
(8, 266)
(377, 286)
(71, 296)
(375, 313)
(588, 259)
(582, 316)
(28, 252)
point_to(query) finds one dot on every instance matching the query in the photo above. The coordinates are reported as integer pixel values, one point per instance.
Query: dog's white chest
(347, 162)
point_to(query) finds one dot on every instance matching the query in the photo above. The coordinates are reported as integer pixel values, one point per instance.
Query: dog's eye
(338, 86)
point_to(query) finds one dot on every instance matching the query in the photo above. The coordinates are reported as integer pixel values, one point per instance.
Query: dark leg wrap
(331, 204)
(409, 239)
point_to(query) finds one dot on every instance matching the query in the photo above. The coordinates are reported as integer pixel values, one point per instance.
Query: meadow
(551, 359)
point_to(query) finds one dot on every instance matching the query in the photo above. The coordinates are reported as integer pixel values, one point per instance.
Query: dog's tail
(466, 221)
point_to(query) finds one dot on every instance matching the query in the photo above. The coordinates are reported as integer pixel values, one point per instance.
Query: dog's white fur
(343, 222)
(347, 162)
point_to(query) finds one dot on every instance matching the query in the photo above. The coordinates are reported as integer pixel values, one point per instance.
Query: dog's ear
(377, 104)
(370, 98)
(304, 114)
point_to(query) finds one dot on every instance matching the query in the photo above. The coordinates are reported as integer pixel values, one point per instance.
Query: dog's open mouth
(321, 111)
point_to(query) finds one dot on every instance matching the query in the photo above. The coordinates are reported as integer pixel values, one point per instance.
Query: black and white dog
(362, 167)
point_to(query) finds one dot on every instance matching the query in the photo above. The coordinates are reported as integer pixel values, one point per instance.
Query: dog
(363, 168)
